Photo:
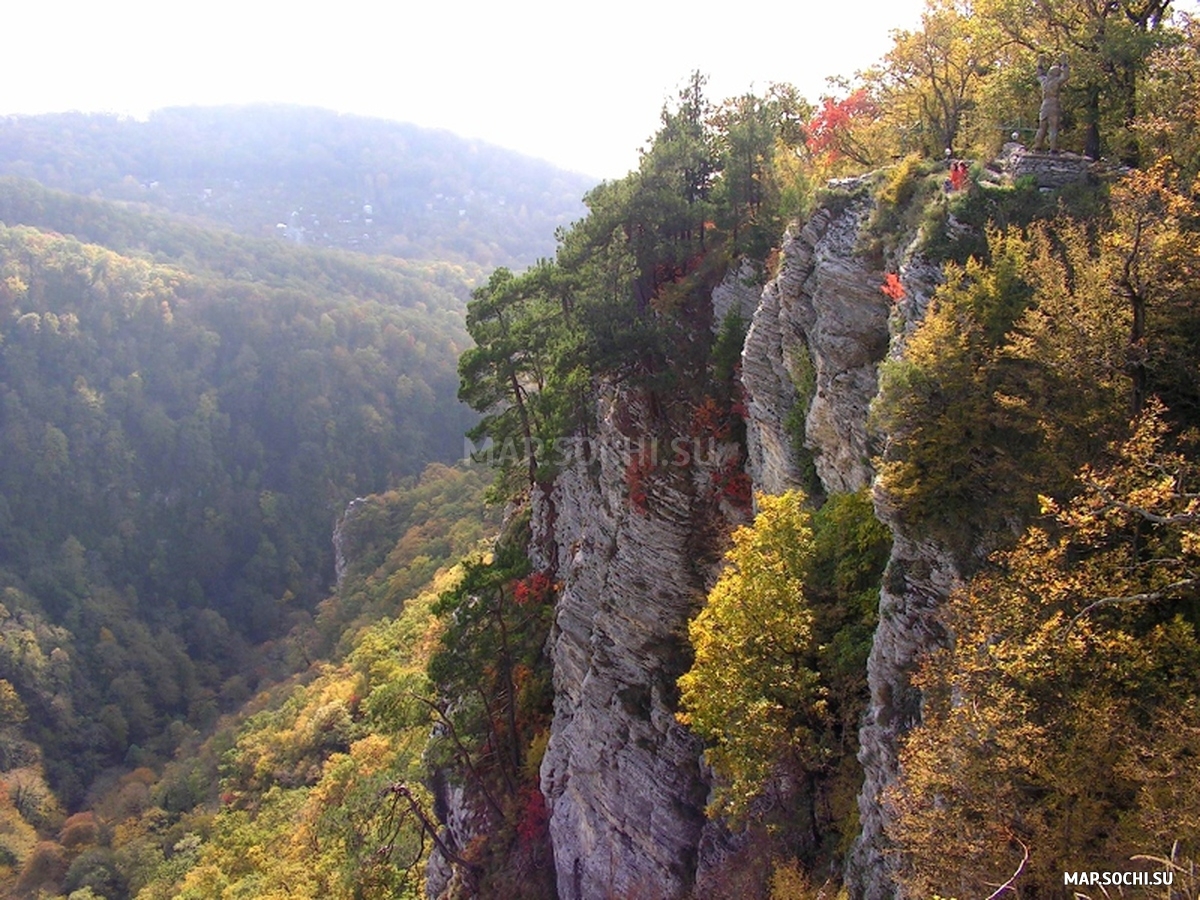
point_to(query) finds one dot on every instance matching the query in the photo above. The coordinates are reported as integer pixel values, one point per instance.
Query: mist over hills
(310, 176)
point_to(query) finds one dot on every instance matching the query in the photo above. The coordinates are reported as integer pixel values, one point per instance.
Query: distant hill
(310, 176)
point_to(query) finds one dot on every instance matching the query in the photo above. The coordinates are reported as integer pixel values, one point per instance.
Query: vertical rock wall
(622, 778)
(919, 576)
(624, 783)
(818, 336)
(816, 339)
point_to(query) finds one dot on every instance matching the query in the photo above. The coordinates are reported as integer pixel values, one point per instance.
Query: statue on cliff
(1050, 114)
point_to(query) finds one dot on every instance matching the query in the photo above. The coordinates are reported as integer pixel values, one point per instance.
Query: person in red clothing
(958, 175)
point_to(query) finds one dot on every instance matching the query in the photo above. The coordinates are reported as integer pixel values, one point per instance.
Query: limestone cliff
(919, 577)
(814, 347)
(624, 782)
(622, 778)
(816, 340)
(632, 528)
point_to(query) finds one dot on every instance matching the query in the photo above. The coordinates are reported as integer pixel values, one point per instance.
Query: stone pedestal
(1051, 170)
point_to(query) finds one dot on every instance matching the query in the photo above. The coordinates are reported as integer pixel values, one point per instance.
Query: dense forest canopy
(179, 438)
(310, 176)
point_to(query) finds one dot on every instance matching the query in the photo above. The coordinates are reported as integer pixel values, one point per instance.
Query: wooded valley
(908, 609)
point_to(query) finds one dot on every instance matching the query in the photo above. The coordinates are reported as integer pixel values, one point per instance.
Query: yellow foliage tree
(930, 78)
(749, 692)
(1062, 729)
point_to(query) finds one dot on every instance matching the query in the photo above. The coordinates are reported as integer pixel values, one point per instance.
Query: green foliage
(628, 295)
(804, 378)
(439, 517)
(1024, 367)
(964, 411)
(177, 444)
(1167, 101)
(931, 79)
(183, 413)
(759, 189)
(850, 549)
(492, 701)
(1108, 47)
(306, 777)
(748, 692)
(900, 200)
(986, 206)
(216, 254)
(520, 373)
(727, 349)
(489, 667)
(935, 405)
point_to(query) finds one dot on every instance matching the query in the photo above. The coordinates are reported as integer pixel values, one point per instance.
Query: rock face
(635, 546)
(739, 291)
(344, 540)
(817, 338)
(622, 779)
(919, 576)
(1050, 171)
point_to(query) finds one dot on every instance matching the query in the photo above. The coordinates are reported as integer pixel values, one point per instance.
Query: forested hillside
(843, 526)
(182, 421)
(309, 176)
(298, 794)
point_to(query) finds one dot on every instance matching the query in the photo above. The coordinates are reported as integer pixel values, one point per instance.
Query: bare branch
(1008, 885)
(464, 754)
(1149, 597)
(1114, 503)
(400, 791)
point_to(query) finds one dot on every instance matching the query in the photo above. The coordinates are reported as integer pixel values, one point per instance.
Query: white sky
(579, 84)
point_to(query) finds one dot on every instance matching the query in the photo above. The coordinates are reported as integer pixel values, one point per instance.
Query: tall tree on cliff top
(750, 132)
(504, 374)
(930, 78)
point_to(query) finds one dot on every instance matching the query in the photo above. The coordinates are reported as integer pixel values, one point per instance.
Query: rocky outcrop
(1049, 171)
(816, 339)
(631, 532)
(345, 542)
(739, 292)
(622, 779)
(919, 577)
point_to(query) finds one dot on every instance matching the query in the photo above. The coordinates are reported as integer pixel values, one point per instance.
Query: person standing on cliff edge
(1051, 111)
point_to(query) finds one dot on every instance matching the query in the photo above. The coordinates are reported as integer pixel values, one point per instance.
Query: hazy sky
(578, 84)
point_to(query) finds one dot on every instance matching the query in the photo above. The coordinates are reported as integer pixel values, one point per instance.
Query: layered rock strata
(622, 779)
(816, 340)
(815, 345)
(919, 577)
